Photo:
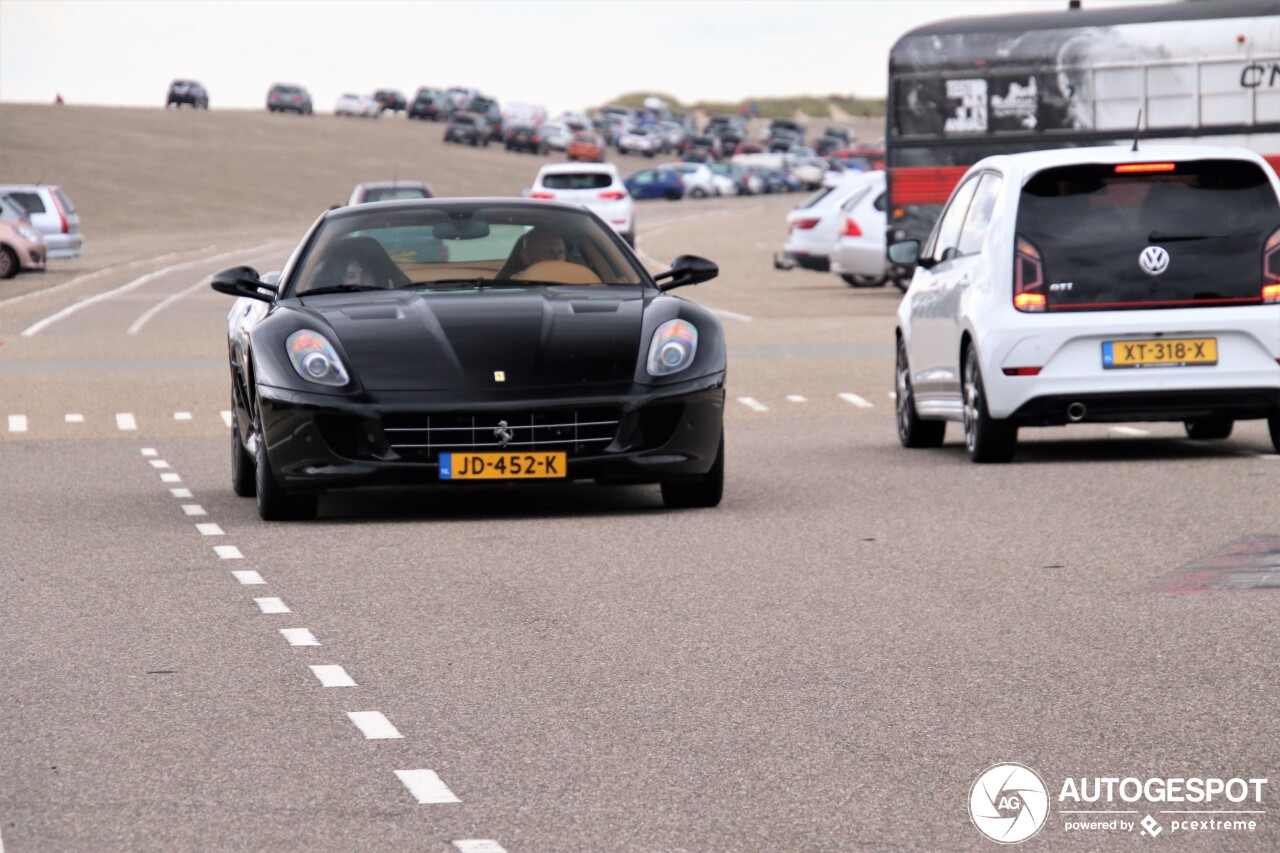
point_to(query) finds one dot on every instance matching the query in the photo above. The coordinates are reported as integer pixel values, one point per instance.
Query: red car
(586, 146)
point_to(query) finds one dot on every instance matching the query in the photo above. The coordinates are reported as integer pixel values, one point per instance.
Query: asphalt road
(827, 661)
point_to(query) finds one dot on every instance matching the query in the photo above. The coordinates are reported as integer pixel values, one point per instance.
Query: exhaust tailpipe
(1076, 412)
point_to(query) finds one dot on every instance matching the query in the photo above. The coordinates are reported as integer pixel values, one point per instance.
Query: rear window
(1163, 235)
(577, 181)
(392, 193)
(30, 201)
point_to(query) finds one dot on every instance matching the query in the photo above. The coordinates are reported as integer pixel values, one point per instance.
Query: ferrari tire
(706, 491)
(987, 439)
(274, 503)
(1209, 429)
(243, 475)
(913, 431)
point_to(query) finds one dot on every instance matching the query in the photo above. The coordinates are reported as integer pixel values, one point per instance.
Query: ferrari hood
(487, 339)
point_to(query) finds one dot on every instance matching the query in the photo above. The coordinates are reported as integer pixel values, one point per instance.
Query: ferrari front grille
(576, 431)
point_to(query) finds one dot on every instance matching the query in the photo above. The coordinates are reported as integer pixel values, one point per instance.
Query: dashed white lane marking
(125, 421)
(228, 552)
(893, 395)
(860, 402)
(226, 418)
(1272, 456)
(74, 418)
(182, 416)
(332, 675)
(17, 423)
(209, 529)
(159, 463)
(180, 493)
(272, 605)
(479, 845)
(374, 725)
(796, 398)
(426, 787)
(1124, 430)
(170, 477)
(248, 578)
(299, 637)
(150, 451)
(193, 509)
(753, 404)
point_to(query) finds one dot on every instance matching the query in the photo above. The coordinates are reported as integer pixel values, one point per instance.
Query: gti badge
(503, 433)
(499, 376)
(1153, 260)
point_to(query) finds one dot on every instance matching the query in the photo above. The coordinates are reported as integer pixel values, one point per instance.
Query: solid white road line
(159, 463)
(374, 725)
(426, 787)
(17, 423)
(753, 404)
(193, 509)
(37, 327)
(74, 418)
(728, 315)
(165, 303)
(1124, 430)
(860, 402)
(125, 421)
(332, 675)
(796, 398)
(248, 578)
(180, 493)
(272, 605)
(150, 451)
(80, 279)
(299, 637)
(182, 416)
(170, 477)
(209, 529)
(479, 845)
(226, 418)
(228, 552)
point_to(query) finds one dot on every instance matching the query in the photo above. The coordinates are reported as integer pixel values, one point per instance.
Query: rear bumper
(804, 260)
(1235, 403)
(317, 442)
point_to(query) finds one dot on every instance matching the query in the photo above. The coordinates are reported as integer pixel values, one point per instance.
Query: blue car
(655, 183)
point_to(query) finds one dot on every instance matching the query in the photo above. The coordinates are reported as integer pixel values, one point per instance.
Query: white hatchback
(1094, 284)
(596, 186)
(817, 223)
(364, 106)
(858, 254)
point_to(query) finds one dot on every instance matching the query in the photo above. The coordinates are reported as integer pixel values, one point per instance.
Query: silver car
(52, 214)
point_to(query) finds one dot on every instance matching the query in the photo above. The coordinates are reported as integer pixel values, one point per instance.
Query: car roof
(1031, 162)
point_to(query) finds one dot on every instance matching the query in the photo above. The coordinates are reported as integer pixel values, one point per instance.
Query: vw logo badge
(1153, 260)
(503, 433)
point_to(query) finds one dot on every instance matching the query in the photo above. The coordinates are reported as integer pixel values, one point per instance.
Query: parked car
(641, 140)
(710, 144)
(284, 97)
(744, 183)
(522, 137)
(858, 255)
(698, 179)
(22, 248)
(488, 109)
(557, 135)
(596, 186)
(858, 159)
(370, 191)
(586, 145)
(460, 96)
(430, 104)
(814, 226)
(50, 212)
(362, 106)
(467, 128)
(391, 99)
(1094, 285)
(187, 92)
(655, 183)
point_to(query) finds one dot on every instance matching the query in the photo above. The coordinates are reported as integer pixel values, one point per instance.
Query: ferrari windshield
(452, 245)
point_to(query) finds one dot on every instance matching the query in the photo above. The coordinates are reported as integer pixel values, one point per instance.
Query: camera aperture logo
(1009, 803)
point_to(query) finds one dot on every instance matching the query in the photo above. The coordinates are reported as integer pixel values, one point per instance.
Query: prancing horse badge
(499, 376)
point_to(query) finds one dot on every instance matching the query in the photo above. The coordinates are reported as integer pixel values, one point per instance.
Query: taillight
(613, 195)
(1028, 277)
(57, 205)
(297, 99)
(535, 138)
(542, 195)
(1021, 371)
(1271, 268)
(1143, 168)
(851, 229)
(806, 223)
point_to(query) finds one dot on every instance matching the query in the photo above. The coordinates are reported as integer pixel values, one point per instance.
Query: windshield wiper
(339, 288)
(1163, 237)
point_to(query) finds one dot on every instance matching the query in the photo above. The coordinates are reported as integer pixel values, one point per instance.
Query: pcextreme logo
(1009, 803)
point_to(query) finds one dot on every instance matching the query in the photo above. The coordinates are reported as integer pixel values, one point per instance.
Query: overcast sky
(561, 54)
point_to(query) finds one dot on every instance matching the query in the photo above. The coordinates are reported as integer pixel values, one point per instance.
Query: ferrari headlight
(315, 358)
(674, 346)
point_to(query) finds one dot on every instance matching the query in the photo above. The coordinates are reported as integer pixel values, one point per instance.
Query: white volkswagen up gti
(1094, 284)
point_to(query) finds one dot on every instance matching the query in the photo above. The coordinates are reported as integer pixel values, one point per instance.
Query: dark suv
(391, 99)
(429, 104)
(187, 92)
(467, 128)
(284, 97)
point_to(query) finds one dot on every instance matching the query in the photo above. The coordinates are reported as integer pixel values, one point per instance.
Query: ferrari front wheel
(706, 491)
(274, 503)
(242, 462)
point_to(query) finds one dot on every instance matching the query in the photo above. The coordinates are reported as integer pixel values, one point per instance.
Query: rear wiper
(1162, 237)
(339, 288)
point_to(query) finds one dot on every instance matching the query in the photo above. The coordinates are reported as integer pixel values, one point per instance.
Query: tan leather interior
(560, 271)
